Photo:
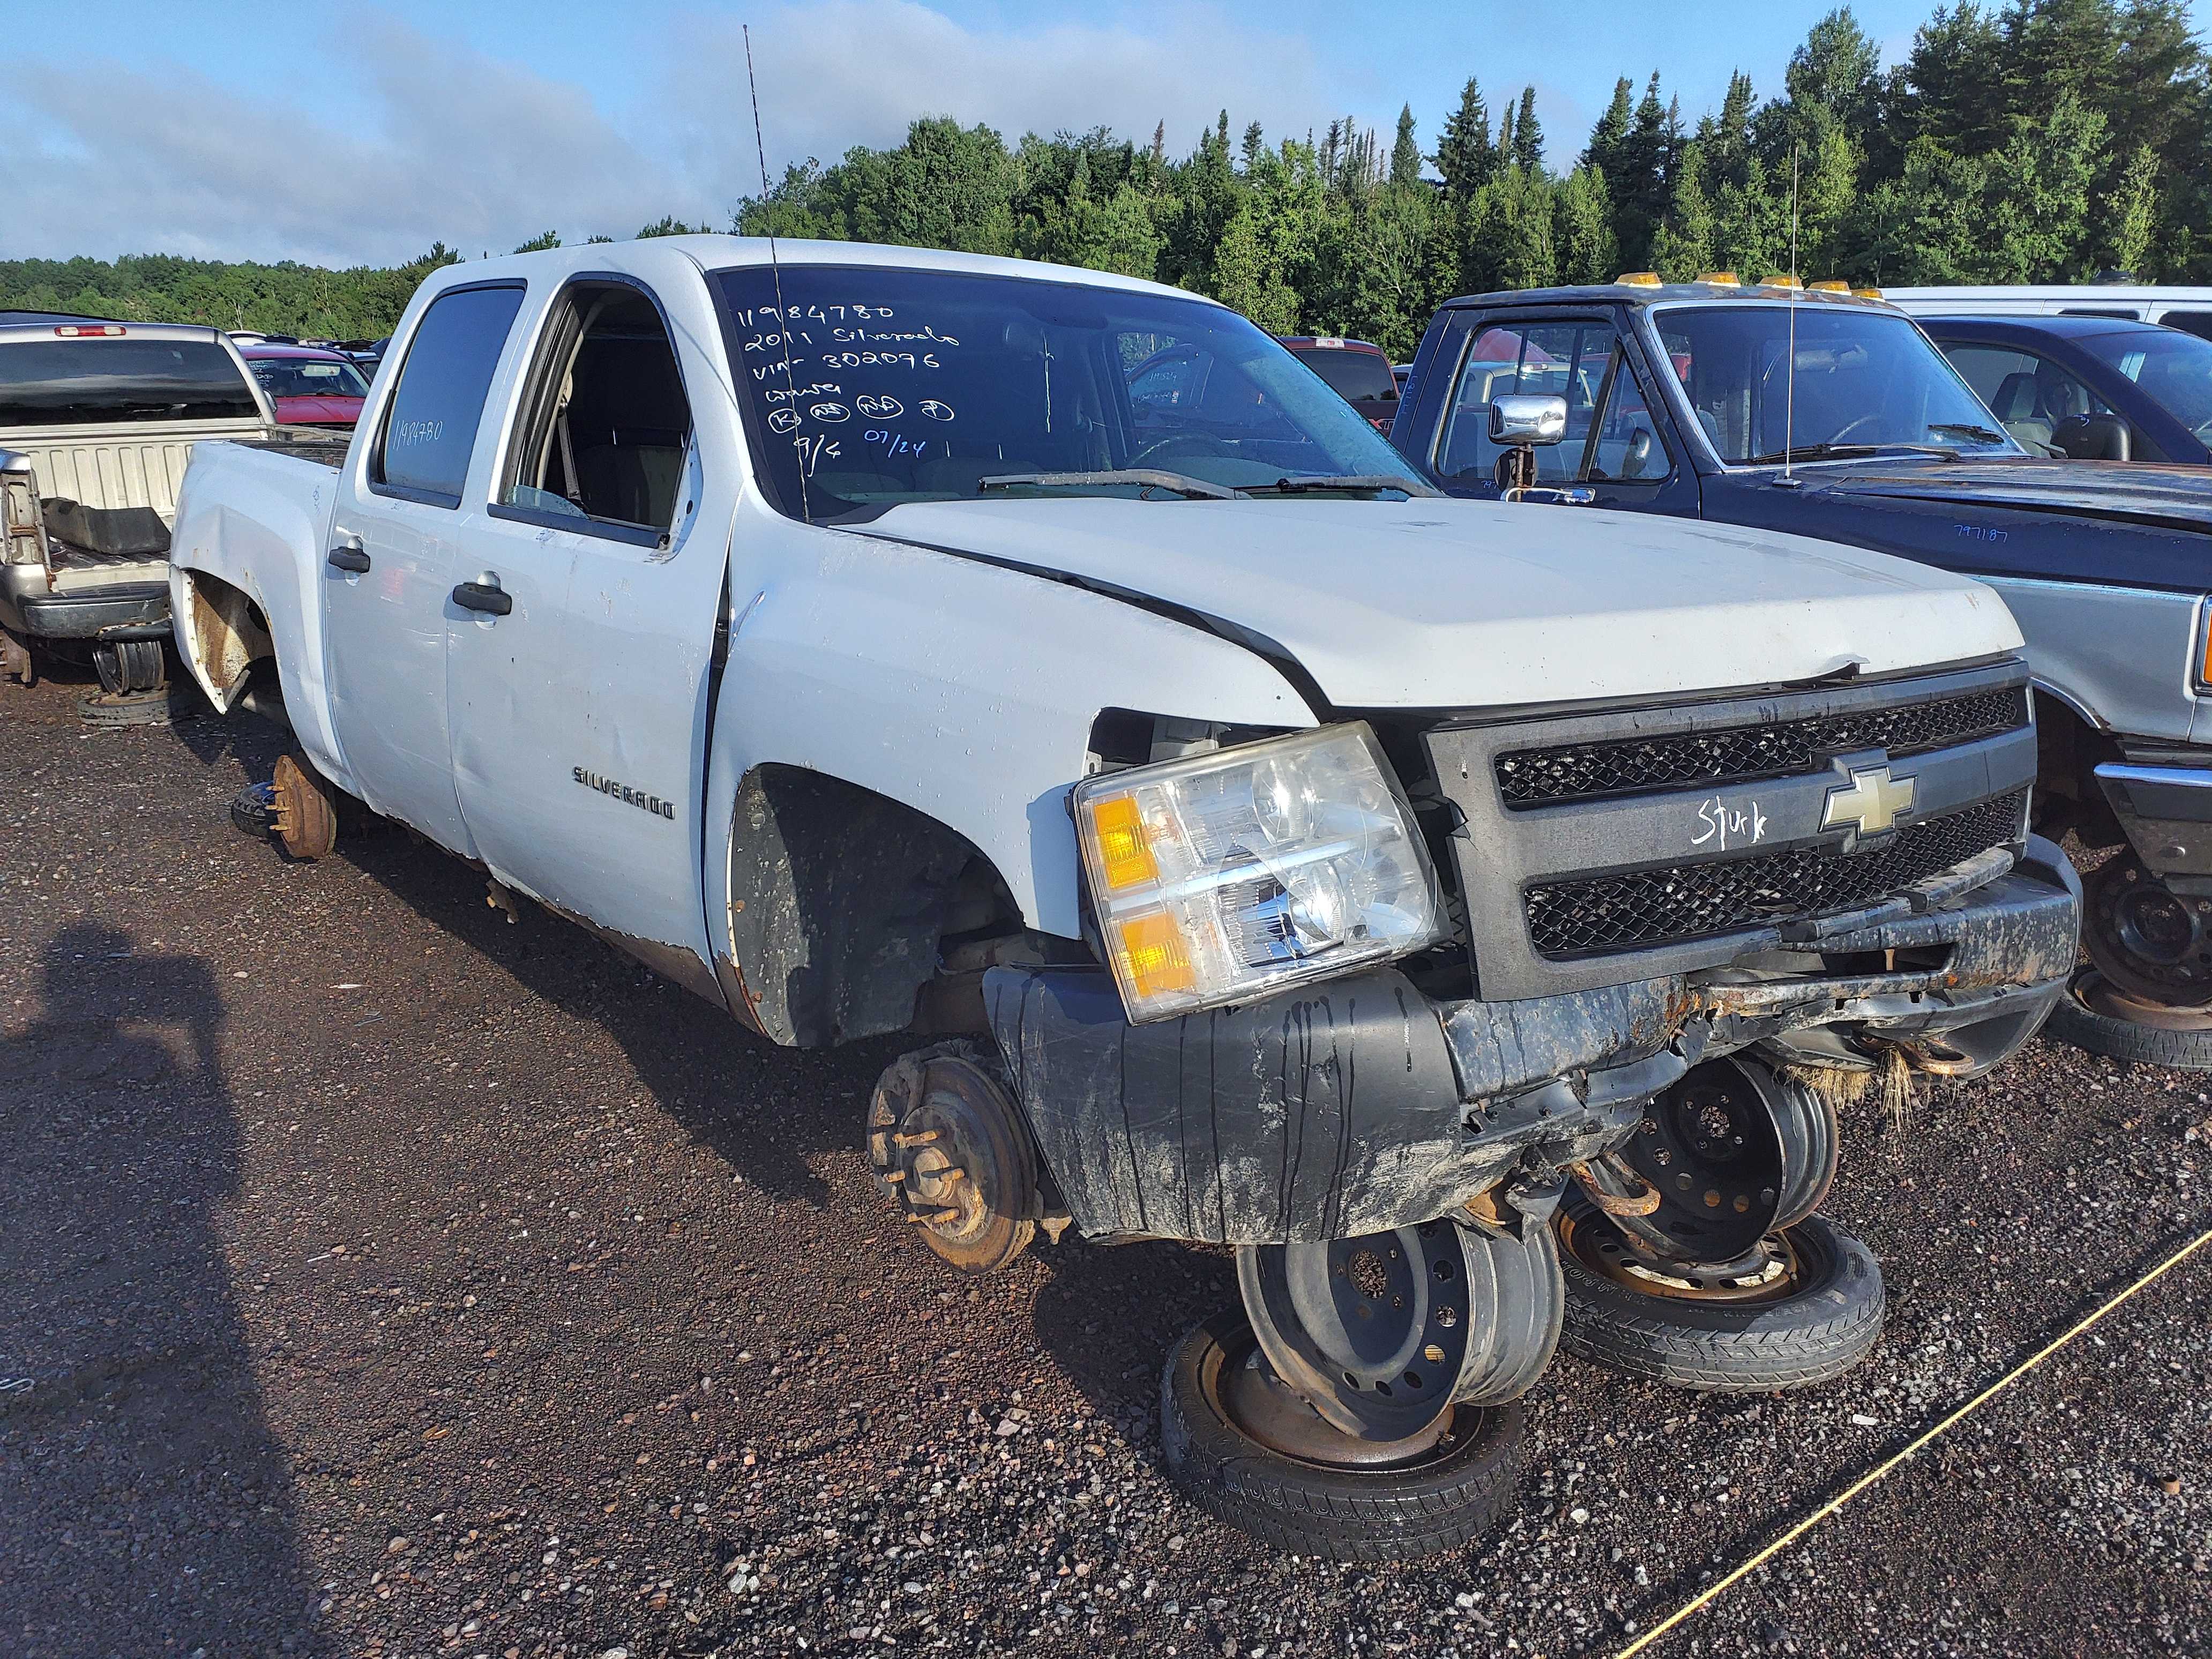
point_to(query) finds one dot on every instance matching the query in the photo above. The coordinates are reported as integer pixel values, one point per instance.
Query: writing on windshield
(870, 387)
(1862, 378)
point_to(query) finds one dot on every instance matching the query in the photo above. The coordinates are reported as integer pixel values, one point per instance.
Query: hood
(1460, 604)
(2169, 496)
(319, 411)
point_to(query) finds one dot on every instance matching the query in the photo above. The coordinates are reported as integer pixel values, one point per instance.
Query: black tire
(131, 708)
(1828, 1322)
(2073, 1021)
(1445, 1498)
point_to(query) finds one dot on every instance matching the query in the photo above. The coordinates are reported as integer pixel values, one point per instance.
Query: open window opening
(606, 434)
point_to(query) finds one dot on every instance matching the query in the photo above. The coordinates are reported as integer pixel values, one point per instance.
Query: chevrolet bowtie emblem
(1870, 803)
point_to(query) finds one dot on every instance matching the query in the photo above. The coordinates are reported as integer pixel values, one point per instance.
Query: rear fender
(255, 522)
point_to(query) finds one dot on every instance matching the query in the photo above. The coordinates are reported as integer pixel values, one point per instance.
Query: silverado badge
(1871, 803)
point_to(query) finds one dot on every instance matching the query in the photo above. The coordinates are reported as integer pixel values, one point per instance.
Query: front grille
(1606, 914)
(1581, 771)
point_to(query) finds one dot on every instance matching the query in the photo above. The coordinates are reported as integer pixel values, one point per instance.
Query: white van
(2189, 308)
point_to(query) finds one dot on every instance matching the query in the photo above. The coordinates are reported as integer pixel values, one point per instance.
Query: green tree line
(2030, 141)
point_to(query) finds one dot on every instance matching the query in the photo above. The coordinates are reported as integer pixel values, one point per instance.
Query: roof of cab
(2064, 327)
(714, 253)
(1649, 294)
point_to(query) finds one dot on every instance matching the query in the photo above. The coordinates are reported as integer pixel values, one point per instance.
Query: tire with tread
(1814, 1335)
(2073, 1021)
(1373, 1515)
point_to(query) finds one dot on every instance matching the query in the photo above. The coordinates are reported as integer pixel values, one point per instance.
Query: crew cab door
(386, 574)
(1618, 449)
(580, 649)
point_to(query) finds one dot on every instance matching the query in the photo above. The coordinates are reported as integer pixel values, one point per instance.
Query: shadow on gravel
(1109, 1315)
(145, 1506)
(763, 1109)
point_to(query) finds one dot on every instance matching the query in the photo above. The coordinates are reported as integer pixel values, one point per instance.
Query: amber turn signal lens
(1122, 851)
(1153, 957)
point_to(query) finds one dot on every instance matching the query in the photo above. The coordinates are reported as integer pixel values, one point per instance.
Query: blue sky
(224, 129)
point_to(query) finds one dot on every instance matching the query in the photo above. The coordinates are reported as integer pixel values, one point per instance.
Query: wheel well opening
(852, 914)
(224, 633)
(2068, 796)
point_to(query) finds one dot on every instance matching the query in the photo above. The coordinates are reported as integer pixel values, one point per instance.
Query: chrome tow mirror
(1526, 419)
(1519, 422)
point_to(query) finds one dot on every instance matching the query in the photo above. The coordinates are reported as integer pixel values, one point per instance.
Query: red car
(1358, 372)
(310, 385)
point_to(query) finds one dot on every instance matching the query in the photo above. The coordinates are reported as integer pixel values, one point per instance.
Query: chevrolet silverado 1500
(1471, 916)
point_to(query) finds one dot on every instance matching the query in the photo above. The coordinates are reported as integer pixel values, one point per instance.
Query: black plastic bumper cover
(131, 610)
(1360, 1104)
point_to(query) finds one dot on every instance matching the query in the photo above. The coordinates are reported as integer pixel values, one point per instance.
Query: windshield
(2174, 370)
(907, 386)
(1355, 375)
(1863, 379)
(80, 382)
(308, 377)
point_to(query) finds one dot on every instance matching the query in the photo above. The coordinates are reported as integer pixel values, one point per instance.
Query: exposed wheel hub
(947, 1144)
(2148, 941)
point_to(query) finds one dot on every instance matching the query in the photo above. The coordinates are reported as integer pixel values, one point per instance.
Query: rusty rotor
(947, 1144)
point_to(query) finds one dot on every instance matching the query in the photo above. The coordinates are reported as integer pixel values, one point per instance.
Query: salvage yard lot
(382, 1277)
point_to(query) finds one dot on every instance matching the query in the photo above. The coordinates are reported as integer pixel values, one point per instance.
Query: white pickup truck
(1472, 915)
(97, 422)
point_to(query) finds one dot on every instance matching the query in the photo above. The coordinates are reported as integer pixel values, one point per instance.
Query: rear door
(387, 574)
(580, 682)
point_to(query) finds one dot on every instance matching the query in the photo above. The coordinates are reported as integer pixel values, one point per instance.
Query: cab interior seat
(2018, 408)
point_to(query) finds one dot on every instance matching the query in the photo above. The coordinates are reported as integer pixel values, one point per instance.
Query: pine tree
(1639, 189)
(1406, 153)
(1527, 134)
(1582, 228)
(1255, 141)
(2130, 216)
(1609, 137)
(1465, 159)
(1160, 141)
(1506, 137)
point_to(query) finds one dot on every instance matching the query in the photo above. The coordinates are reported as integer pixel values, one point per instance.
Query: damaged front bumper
(1361, 1105)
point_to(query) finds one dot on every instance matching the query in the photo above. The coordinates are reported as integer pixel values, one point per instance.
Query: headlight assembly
(1228, 876)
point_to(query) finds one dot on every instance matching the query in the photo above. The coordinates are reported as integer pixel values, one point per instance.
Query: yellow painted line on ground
(1690, 1609)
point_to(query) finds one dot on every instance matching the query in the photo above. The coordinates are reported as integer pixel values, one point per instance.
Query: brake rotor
(302, 815)
(2148, 941)
(1770, 1270)
(947, 1143)
(1371, 1332)
(1735, 1153)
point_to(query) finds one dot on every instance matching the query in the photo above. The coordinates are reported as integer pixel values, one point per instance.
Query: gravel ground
(380, 1277)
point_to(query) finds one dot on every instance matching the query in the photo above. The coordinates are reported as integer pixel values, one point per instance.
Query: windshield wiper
(1968, 429)
(1345, 481)
(1830, 452)
(1145, 476)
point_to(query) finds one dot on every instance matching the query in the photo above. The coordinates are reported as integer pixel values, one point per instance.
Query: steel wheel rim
(1601, 1249)
(1372, 1331)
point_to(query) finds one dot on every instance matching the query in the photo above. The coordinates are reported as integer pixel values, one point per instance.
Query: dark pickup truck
(1830, 414)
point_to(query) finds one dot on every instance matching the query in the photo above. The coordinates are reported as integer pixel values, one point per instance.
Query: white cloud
(858, 71)
(445, 143)
(433, 140)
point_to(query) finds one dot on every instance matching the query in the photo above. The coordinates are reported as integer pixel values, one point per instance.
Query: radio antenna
(1789, 378)
(775, 271)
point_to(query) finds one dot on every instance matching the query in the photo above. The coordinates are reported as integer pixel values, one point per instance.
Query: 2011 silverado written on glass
(1865, 380)
(875, 386)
